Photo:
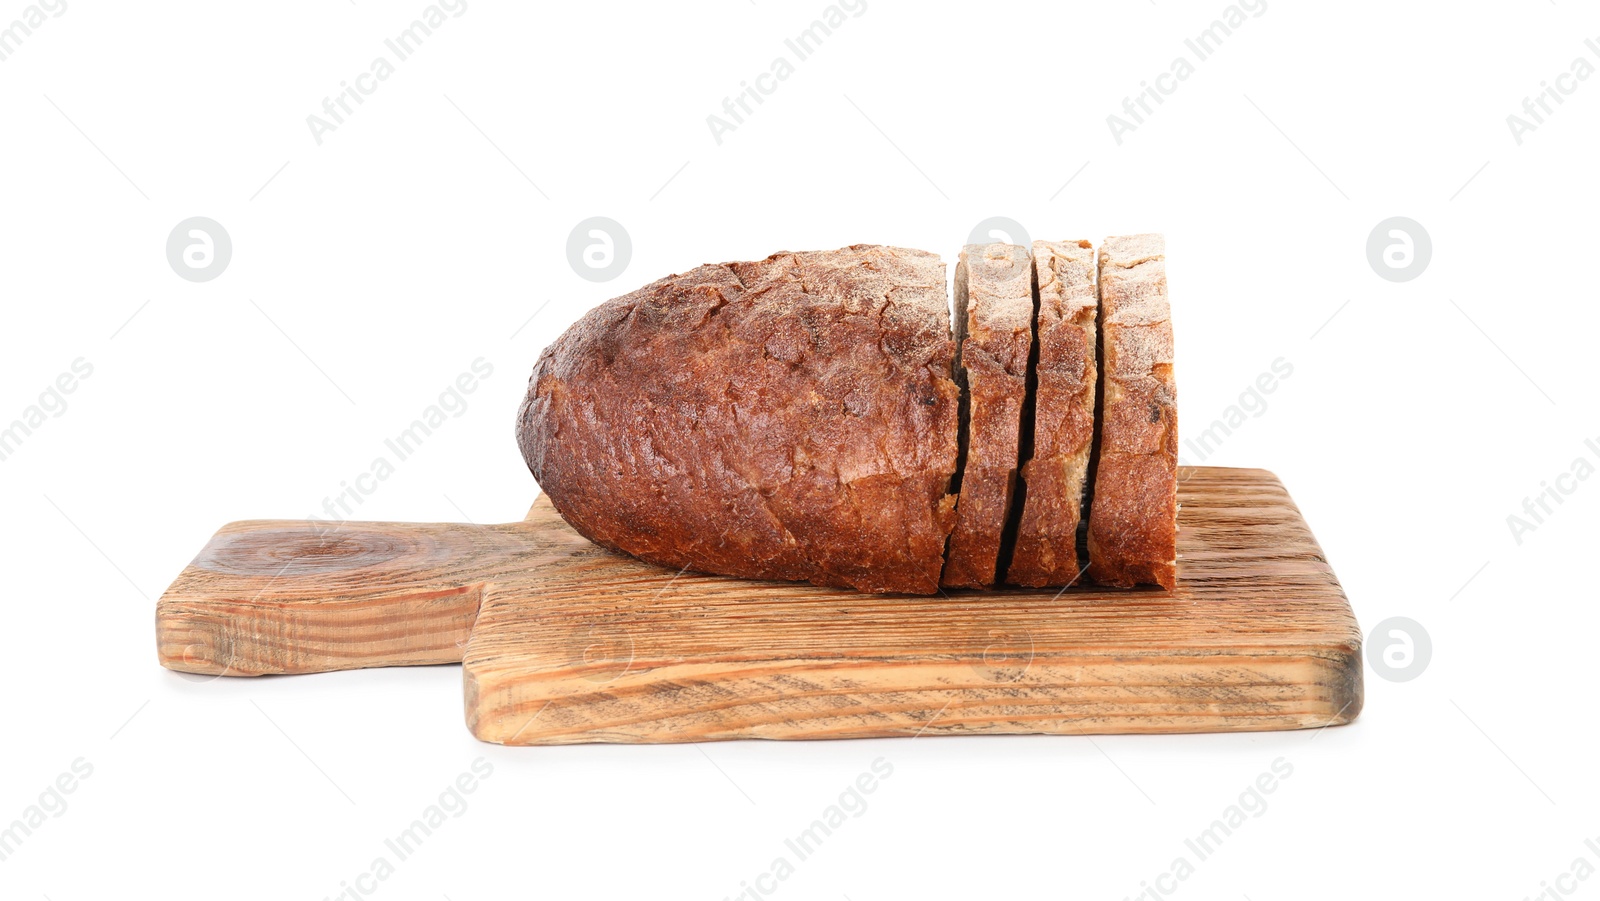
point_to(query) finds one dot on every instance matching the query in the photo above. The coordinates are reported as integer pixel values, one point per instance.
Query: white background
(422, 234)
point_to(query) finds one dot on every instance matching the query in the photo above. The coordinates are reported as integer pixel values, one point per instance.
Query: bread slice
(1056, 471)
(794, 418)
(994, 325)
(1133, 524)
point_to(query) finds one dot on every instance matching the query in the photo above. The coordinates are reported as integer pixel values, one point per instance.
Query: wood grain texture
(271, 596)
(598, 647)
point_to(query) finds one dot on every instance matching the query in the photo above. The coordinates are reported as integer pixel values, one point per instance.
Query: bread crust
(1054, 477)
(994, 324)
(793, 418)
(1133, 516)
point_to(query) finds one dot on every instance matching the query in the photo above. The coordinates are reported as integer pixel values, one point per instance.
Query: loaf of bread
(994, 326)
(794, 418)
(1055, 474)
(814, 417)
(1133, 519)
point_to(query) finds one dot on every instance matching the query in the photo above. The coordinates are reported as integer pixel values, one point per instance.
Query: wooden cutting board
(562, 641)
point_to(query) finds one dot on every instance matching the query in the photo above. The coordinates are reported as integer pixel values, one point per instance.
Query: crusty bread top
(998, 277)
(792, 418)
(1139, 292)
(994, 320)
(1054, 477)
(996, 332)
(1137, 319)
(1133, 520)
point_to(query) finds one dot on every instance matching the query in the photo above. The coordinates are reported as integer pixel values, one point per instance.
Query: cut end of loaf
(1132, 533)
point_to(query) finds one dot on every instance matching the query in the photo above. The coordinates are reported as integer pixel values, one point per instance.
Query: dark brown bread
(1046, 549)
(994, 325)
(1133, 517)
(793, 418)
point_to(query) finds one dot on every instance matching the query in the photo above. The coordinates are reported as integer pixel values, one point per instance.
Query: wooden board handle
(281, 596)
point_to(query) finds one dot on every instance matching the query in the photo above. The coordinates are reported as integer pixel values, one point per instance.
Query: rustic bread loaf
(1064, 378)
(809, 417)
(994, 325)
(1133, 515)
(794, 418)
